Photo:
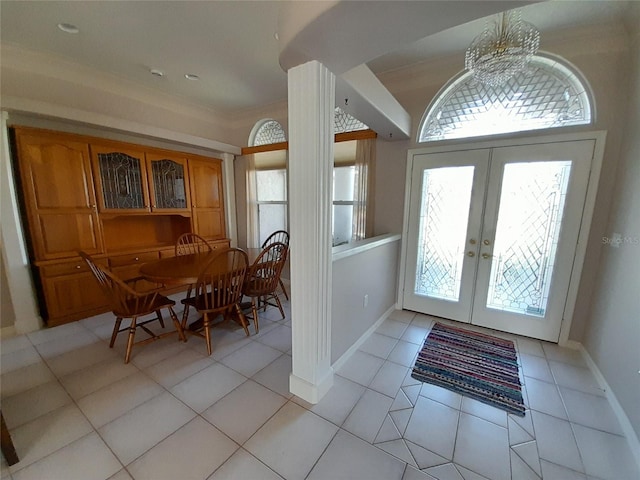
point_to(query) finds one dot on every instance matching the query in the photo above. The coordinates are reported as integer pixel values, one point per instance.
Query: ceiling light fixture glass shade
(503, 49)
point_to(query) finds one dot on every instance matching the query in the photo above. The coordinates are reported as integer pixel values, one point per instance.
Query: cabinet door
(59, 195)
(168, 183)
(121, 178)
(207, 203)
(70, 297)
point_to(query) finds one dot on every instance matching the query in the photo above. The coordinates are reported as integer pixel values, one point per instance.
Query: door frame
(599, 136)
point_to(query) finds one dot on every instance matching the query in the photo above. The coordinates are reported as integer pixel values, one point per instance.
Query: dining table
(185, 270)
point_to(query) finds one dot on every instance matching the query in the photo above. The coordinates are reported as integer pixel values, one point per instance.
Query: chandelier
(503, 49)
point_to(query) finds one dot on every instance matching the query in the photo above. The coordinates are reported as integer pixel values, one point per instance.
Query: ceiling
(231, 46)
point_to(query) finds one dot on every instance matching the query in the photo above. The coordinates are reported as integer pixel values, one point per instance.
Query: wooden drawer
(133, 259)
(64, 269)
(221, 245)
(67, 268)
(168, 253)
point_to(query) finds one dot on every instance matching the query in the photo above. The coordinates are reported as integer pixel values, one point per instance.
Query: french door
(492, 234)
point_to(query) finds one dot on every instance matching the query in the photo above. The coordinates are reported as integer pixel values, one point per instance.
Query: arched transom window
(548, 94)
(343, 122)
(267, 132)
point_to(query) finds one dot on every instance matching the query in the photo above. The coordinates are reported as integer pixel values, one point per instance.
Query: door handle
(472, 241)
(486, 242)
(486, 256)
(471, 254)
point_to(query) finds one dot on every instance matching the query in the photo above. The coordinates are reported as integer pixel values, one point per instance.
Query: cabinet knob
(78, 267)
(137, 258)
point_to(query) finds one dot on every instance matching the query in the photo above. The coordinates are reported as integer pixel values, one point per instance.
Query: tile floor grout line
(557, 387)
(324, 450)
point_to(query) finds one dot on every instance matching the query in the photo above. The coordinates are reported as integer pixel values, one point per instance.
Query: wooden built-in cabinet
(123, 204)
(207, 200)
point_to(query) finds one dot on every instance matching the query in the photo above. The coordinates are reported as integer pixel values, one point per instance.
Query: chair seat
(202, 303)
(253, 288)
(145, 305)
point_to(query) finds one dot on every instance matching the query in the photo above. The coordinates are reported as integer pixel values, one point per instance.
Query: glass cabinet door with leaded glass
(168, 184)
(121, 178)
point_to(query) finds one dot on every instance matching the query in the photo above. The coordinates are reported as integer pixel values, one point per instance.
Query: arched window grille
(548, 94)
(343, 122)
(267, 132)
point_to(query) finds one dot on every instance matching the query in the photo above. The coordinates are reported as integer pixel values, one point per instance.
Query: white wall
(612, 334)
(7, 312)
(372, 273)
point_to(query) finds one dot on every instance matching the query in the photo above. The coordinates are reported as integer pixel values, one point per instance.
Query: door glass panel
(168, 184)
(444, 212)
(528, 229)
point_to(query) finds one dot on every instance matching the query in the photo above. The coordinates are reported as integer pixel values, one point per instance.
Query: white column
(229, 179)
(311, 105)
(13, 248)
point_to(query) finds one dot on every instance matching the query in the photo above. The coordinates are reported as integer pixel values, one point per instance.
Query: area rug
(473, 364)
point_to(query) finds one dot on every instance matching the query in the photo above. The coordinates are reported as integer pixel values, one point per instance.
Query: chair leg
(132, 334)
(254, 312)
(207, 333)
(176, 322)
(243, 319)
(185, 312)
(160, 319)
(275, 296)
(116, 329)
(284, 290)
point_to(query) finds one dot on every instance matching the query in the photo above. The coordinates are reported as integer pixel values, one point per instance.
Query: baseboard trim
(573, 345)
(346, 355)
(623, 419)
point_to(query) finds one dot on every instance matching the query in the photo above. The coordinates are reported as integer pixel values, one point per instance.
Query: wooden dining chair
(262, 278)
(281, 236)
(218, 291)
(127, 303)
(187, 244)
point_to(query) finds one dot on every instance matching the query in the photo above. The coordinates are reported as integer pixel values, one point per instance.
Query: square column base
(310, 392)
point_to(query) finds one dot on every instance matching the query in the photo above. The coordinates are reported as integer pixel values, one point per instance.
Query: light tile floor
(75, 411)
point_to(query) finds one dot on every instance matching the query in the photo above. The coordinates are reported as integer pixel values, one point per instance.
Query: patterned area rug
(473, 364)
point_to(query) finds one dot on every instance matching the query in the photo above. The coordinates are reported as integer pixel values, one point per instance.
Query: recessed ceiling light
(156, 73)
(68, 28)
(191, 76)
